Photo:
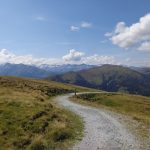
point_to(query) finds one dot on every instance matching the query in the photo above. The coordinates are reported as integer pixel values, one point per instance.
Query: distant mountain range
(106, 77)
(42, 71)
(21, 70)
(59, 69)
(110, 78)
(144, 70)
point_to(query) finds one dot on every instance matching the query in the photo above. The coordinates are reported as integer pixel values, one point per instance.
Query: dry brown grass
(29, 119)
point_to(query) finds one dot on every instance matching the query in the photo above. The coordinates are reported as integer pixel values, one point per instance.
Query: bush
(61, 135)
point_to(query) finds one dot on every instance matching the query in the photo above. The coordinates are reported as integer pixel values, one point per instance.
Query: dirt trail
(102, 130)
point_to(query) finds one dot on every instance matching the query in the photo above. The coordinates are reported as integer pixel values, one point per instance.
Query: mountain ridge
(111, 78)
(32, 71)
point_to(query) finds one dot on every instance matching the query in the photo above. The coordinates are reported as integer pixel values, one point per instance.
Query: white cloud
(78, 57)
(73, 55)
(82, 25)
(145, 46)
(8, 57)
(86, 25)
(74, 28)
(40, 18)
(132, 36)
(99, 59)
(120, 27)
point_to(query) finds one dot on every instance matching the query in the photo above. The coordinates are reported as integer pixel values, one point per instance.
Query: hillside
(31, 120)
(110, 78)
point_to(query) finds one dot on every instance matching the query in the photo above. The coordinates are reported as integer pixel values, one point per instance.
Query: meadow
(29, 120)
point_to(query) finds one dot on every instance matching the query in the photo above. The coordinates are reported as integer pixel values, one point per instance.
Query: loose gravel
(102, 131)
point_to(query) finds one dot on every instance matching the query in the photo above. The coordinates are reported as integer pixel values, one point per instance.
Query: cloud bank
(73, 57)
(136, 36)
(8, 57)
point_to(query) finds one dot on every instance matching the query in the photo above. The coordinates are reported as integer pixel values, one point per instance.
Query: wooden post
(75, 92)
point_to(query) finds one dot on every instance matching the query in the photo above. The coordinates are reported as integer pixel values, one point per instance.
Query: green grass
(29, 120)
(137, 107)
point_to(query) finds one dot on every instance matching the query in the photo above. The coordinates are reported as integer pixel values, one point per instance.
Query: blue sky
(74, 31)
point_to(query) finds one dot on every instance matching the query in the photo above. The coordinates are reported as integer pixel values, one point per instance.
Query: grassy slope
(137, 107)
(29, 119)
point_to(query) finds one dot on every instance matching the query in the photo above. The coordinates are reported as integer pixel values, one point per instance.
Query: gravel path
(102, 131)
